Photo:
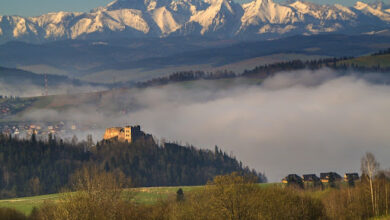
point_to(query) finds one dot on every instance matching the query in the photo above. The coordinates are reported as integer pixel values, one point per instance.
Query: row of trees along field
(33, 167)
(100, 195)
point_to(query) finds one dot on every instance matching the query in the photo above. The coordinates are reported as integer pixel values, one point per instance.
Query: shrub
(238, 197)
(11, 214)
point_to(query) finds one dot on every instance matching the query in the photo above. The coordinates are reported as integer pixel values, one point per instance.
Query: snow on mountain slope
(183, 9)
(121, 19)
(220, 14)
(266, 11)
(114, 21)
(54, 25)
(156, 11)
(17, 27)
(141, 5)
(165, 21)
(315, 18)
(221, 18)
(323, 12)
(373, 11)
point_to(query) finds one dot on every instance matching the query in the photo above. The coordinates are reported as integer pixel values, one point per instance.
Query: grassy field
(147, 195)
(26, 204)
(370, 61)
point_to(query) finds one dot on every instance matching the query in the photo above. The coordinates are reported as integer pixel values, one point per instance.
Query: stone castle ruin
(123, 134)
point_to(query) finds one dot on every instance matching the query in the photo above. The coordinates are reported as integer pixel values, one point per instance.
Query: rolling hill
(110, 101)
(16, 82)
(139, 60)
(382, 60)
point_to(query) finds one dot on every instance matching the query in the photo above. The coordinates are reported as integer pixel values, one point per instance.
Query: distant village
(69, 129)
(11, 105)
(43, 129)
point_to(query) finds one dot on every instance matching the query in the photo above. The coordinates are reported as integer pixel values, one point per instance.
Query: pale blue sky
(38, 7)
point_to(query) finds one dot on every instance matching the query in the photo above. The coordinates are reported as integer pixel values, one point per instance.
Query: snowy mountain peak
(301, 6)
(378, 5)
(373, 10)
(221, 18)
(217, 16)
(134, 4)
(266, 11)
(360, 5)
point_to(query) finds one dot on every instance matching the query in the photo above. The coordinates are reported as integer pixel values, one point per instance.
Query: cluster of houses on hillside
(5, 110)
(12, 105)
(313, 179)
(26, 129)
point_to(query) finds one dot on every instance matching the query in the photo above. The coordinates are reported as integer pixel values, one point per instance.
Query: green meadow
(370, 61)
(147, 195)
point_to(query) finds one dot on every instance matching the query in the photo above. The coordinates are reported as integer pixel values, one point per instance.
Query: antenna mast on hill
(46, 91)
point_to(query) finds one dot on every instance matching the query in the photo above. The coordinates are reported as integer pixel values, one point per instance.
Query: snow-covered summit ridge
(222, 18)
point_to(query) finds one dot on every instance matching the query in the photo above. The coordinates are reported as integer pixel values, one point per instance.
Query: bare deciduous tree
(369, 168)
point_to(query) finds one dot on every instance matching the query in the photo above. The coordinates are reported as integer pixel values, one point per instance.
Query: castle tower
(128, 134)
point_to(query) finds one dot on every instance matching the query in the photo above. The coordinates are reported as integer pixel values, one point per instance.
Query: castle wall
(112, 133)
(123, 134)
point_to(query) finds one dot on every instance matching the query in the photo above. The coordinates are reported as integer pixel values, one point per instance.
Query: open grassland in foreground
(26, 204)
(147, 195)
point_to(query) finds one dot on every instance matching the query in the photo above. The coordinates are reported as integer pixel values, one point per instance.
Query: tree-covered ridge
(377, 62)
(32, 167)
(18, 76)
(339, 64)
(171, 164)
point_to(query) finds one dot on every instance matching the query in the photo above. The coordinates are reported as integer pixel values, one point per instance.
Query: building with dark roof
(351, 177)
(293, 179)
(330, 177)
(310, 178)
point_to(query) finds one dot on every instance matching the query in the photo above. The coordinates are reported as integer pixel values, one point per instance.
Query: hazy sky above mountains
(38, 7)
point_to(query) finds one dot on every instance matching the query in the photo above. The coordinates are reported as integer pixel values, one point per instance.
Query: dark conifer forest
(33, 167)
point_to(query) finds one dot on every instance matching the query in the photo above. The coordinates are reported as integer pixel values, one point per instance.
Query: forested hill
(375, 63)
(33, 167)
(14, 76)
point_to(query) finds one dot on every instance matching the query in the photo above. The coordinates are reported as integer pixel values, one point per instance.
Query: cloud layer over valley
(301, 122)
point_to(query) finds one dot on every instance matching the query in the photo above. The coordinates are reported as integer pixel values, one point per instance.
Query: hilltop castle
(123, 134)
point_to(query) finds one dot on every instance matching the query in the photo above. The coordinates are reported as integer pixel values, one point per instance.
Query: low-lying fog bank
(300, 122)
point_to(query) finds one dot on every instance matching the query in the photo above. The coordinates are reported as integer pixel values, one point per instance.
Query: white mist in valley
(300, 122)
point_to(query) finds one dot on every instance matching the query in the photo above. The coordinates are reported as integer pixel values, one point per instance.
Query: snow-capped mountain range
(259, 19)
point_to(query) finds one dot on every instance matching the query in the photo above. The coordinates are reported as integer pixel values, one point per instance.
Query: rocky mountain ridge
(259, 19)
